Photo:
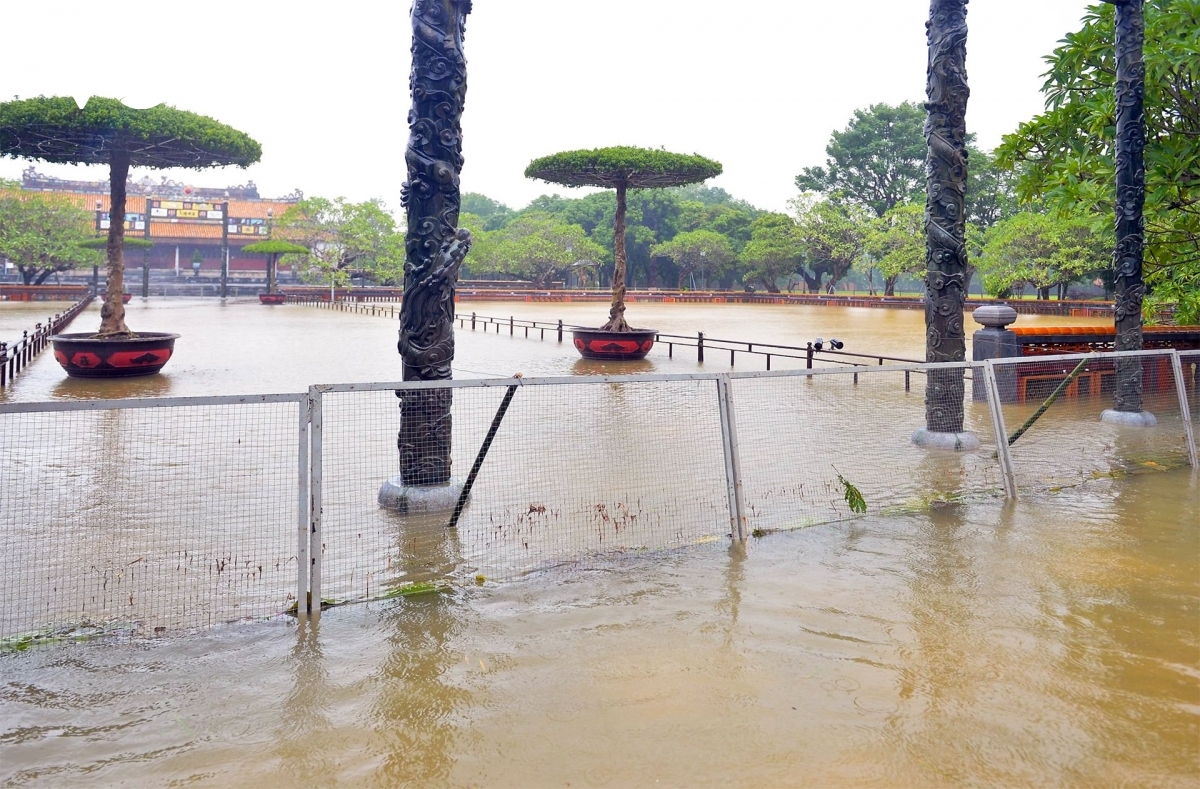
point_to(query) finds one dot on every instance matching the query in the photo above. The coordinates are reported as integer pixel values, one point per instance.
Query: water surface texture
(956, 640)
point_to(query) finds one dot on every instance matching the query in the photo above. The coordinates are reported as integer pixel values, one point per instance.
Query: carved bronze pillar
(945, 218)
(1131, 196)
(435, 246)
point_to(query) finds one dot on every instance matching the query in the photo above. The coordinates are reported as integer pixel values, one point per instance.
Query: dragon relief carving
(434, 246)
(945, 214)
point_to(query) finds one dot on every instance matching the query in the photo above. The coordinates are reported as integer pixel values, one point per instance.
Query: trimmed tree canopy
(632, 168)
(275, 247)
(57, 130)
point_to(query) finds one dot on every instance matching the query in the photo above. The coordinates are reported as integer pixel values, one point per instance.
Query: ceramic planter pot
(272, 298)
(614, 345)
(85, 356)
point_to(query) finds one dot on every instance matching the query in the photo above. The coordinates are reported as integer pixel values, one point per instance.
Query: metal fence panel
(143, 519)
(1069, 445)
(800, 433)
(575, 471)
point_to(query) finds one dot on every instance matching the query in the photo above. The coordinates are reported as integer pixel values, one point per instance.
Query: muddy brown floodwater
(1050, 642)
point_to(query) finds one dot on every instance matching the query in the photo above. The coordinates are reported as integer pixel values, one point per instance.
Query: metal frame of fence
(311, 428)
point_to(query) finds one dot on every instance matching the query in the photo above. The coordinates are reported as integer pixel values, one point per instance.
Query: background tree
(1041, 250)
(42, 234)
(832, 237)
(775, 250)
(877, 161)
(493, 213)
(701, 251)
(622, 169)
(1066, 155)
(535, 246)
(343, 238)
(896, 244)
(105, 131)
(274, 249)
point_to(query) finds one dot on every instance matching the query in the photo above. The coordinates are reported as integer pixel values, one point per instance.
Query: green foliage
(775, 250)
(635, 168)
(1040, 250)
(343, 238)
(832, 238)
(877, 161)
(42, 233)
(697, 251)
(57, 130)
(538, 247)
(492, 213)
(896, 243)
(854, 497)
(1066, 154)
(272, 246)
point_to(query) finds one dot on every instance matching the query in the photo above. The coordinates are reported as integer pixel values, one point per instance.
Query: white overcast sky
(755, 84)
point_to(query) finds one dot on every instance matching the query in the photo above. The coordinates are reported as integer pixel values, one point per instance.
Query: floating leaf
(853, 495)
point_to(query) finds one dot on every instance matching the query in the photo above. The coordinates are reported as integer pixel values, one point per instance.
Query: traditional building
(185, 222)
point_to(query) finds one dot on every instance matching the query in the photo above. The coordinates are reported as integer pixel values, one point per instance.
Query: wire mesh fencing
(173, 513)
(575, 470)
(143, 519)
(1070, 444)
(806, 440)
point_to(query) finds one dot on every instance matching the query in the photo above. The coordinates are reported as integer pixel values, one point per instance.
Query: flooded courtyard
(1050, 641)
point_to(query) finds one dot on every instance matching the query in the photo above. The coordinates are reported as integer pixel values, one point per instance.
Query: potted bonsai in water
(105, 131)
(622, 169)
(273, 249)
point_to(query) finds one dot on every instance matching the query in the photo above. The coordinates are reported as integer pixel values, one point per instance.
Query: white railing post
(1184, 410)
(315, 505)
(733, 466)
(999, 428)
(304, 522)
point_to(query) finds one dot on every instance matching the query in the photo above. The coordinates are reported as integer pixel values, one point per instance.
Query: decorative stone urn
(86, 356)
(617, 346)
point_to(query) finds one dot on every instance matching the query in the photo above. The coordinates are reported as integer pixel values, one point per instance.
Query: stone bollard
(995, 341)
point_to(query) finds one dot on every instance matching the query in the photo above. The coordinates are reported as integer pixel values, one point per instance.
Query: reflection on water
(1053, 641)
(1043, 643)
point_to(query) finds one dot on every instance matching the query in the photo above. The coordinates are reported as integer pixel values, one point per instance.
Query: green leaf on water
(853, 495)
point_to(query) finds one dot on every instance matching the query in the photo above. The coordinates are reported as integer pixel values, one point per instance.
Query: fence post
(1184, 411)
(315, 507)
(3, 364)
(510, 325)
(999, 428)
(560, 329)
(700, 346)
(733, 466)
(472, 321)
(304, 522)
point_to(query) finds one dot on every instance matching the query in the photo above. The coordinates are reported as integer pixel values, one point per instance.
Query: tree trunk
(272, 263)
(112, 314)
(945, 225)
(616, 314)
(43, 276)
(889, 286)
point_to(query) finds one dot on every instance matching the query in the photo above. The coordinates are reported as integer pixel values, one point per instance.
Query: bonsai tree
(274, 249)
(105, 131)
(622, 169)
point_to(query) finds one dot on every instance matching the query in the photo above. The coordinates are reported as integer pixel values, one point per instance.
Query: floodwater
(1054, 641)
(242, 347)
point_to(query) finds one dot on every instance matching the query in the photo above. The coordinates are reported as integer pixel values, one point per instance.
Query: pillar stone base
(1131, 418)
(957, 442)
(395, 495)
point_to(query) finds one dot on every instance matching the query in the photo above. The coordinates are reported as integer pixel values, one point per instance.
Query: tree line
(1039, 208)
